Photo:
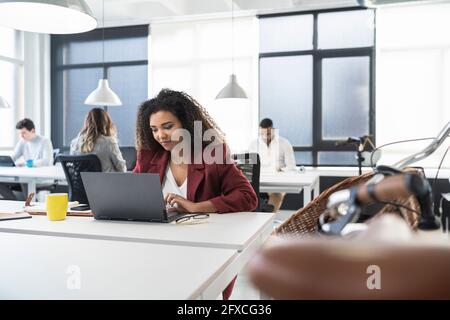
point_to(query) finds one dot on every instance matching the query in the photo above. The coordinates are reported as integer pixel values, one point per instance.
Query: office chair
(129, 155)
(72, 166)
(250, 165)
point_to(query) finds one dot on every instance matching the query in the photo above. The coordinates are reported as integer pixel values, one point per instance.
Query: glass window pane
(78, 84)
(288, 33)
(337, 158)
(303, 158)
(10, 43)
(346, 29)
(91, 51)
(10, 90)
(286, 96)
(345, 97)
(132, 94)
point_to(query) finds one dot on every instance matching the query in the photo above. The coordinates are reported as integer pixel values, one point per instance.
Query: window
(78, 65)
(413, 78)
(316, 80)
(196, 57)
(11, 84)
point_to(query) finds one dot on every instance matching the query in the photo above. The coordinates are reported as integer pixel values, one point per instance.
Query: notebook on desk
(14, 215)
(39, 209)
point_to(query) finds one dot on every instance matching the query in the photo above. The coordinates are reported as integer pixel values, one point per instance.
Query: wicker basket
(305, 220)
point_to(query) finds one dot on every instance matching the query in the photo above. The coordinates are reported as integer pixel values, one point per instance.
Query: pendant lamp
(103, 95)
(232, 89)
(4, 104)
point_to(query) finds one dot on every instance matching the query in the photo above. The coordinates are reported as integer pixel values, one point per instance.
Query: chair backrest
(55, 155)
(129, 155)
(250, 165)
(72, 166)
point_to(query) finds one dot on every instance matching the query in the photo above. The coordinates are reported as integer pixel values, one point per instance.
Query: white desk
(291, 182)
(31, 176)
(230, 231)
(43, 267)
(243, 232)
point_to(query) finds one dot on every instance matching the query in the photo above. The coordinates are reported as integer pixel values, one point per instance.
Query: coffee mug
(56, 205)
(29, 163)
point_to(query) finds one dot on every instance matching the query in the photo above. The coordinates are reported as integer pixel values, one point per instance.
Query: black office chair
(250, 166)
(129, 155)
(72, 166)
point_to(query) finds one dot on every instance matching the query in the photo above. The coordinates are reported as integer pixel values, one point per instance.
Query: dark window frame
(58, 46)
(318, 143)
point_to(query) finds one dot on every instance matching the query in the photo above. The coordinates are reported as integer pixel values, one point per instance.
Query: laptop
(6, 161)
(126, 196)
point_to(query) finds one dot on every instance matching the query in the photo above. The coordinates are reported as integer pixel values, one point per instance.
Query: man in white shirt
(32, 147)
(276, 154)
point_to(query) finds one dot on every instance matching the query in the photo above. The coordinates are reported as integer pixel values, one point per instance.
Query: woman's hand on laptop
(181, 204)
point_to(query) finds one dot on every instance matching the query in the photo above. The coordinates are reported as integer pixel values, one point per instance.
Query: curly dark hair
(181, 105)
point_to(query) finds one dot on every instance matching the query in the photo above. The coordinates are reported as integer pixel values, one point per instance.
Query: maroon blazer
(222, 184)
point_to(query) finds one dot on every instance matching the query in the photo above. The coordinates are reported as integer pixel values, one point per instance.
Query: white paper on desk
(13, 215)
(40, 206)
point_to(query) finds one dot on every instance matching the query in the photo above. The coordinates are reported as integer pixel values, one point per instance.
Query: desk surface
(289, 178)
(42, 267)
(56, 172)
(52, 172)
(230, 231)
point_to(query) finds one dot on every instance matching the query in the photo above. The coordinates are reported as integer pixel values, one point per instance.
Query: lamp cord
(103, 37)
(232, 36)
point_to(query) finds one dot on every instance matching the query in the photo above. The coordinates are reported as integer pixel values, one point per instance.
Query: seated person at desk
(33, 150)
(190, 182)
(98, 136)
(276, 154)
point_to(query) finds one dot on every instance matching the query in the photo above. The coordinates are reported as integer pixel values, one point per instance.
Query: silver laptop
(126, 196)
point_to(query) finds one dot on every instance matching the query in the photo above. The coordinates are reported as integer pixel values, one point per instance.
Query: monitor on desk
(6, 161)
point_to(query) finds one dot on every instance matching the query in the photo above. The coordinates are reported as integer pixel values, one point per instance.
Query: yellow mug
(56, 205)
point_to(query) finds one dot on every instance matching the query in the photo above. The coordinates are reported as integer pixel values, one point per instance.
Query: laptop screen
(6, 161)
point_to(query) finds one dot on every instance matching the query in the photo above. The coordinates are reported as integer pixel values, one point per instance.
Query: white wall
(413, 78)
(27, 88)
(195, 57)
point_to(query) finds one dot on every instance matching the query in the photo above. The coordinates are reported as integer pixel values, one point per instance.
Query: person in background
(98, 136)
(276, 154)
(32, 150)
(196, 186)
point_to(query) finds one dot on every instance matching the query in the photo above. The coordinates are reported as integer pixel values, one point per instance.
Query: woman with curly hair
(190, 181)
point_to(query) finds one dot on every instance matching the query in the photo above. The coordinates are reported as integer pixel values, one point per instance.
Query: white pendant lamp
(4, 104)
(103, 95)
(232, 89)
(47, 16)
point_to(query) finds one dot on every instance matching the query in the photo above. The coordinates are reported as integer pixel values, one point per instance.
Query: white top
(44, 267)
(279, 154)
(39, 149)
(170, 185)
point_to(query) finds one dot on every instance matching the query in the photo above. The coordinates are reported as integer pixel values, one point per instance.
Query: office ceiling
(131, 12)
